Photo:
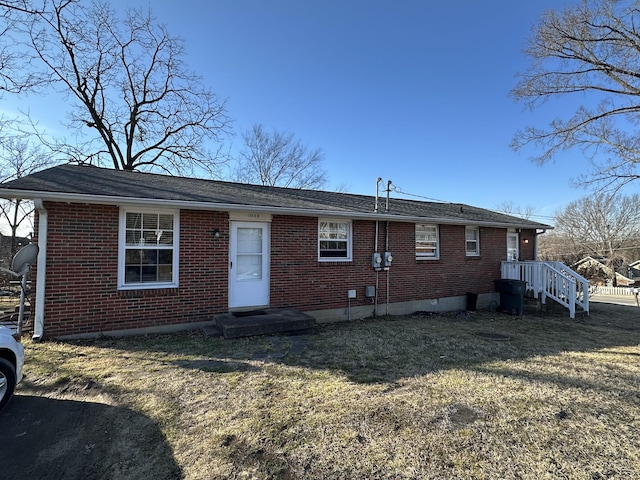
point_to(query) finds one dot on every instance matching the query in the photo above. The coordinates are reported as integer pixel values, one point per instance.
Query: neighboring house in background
(139, 252)
(633, 272)
(6, 253)
(599, 273)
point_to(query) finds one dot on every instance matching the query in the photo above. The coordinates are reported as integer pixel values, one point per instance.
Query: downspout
(535, 243)
(41, 269)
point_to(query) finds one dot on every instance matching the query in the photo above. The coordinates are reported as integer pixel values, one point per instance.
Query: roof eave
(191, 205)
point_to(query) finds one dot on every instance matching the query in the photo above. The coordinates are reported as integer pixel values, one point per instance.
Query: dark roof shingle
(83, 183)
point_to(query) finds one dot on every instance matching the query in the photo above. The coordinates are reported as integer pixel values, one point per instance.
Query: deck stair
(263, 322)
(533, 305)
(551, 280)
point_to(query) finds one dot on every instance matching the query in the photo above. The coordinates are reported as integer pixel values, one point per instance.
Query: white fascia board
(225, 207)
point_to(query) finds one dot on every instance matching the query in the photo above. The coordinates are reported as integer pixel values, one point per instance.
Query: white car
(11, 362)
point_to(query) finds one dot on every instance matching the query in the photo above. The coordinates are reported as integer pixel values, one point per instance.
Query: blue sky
(415, 92)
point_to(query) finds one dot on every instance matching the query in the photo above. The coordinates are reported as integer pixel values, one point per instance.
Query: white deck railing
(551, 279)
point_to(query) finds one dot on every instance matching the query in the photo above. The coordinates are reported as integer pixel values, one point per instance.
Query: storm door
(249, 264)
(512, 247)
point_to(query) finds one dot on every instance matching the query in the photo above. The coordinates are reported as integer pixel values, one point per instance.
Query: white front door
(249, 264)
(512, 247)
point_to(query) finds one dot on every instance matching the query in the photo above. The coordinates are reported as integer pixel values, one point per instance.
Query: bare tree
(588, 52)
(602, 225)
(278, 159)
(18, 157)
(510, 208)
(558, 247)
(134, 103)
(14, 77)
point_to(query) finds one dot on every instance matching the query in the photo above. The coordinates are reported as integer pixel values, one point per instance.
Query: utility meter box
(376, 261)
(388, 258)
(370, 291)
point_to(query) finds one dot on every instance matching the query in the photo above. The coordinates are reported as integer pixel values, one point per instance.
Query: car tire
(7, 381)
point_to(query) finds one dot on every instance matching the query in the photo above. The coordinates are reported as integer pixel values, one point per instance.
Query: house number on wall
(250, 216)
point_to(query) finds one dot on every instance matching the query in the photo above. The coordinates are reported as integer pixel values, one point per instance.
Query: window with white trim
(148, 253)
(334, 240)
(427, 242)
(472, 241)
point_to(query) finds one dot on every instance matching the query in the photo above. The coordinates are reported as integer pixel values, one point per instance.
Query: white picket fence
(597, 290)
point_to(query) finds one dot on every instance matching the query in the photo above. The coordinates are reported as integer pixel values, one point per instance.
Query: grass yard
(420, 397)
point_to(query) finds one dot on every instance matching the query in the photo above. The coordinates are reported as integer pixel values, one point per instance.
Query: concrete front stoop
(263, 322)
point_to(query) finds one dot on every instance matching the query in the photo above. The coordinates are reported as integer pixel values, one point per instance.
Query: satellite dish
(20, 265)
(24, 258)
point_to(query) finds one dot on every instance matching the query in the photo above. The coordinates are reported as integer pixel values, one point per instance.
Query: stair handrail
(582, 284)
(559, 286)
(551, 279)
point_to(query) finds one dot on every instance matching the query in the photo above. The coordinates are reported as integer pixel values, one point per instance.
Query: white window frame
(123, 247)
(436, 244)
(467, 241)
(348, 239)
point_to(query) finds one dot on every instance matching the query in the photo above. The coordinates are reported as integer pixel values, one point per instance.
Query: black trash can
(472, 300)
(511, 295)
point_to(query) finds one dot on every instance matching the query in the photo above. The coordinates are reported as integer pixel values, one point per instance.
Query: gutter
(225, 207)
(41, 270)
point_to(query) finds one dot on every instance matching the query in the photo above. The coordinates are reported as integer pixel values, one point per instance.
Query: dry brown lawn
(485, 396)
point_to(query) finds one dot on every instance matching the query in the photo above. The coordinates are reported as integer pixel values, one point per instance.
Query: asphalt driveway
(44, 438)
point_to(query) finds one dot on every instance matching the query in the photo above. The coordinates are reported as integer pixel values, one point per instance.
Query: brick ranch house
(126, 252)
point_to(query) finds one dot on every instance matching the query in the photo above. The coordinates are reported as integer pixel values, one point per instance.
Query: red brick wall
(299, 280)
(527, 244)
(81, 294)
(82, 254)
